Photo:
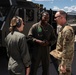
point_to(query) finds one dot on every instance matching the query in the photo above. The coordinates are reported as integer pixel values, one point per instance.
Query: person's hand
(63, 69)
(39, 42)
(27, 70)
(42, 43)
(46, 43)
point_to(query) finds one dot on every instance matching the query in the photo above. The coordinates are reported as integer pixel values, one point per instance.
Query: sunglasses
(56, 17)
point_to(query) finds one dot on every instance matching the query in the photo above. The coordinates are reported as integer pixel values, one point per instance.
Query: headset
(42, 13)
(18, 21)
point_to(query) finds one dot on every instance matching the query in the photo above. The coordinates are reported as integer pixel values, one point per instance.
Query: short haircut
(63, 13)
(43, 13)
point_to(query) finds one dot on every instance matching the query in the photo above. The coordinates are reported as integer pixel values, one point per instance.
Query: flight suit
(18, 54)
(41, 53)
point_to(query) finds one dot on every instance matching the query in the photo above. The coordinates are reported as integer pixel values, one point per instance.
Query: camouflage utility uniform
(65, 45)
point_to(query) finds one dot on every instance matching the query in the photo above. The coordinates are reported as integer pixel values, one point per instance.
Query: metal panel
(7, 2)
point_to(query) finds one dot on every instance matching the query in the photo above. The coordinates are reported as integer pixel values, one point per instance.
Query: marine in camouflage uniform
(65, 44)
(64, 51)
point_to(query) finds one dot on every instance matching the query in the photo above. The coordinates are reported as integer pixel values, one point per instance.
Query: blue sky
(67, 5)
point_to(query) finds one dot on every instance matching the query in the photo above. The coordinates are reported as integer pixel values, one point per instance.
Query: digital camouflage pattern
(65, 45)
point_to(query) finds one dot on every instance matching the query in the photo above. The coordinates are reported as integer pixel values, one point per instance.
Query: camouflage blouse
(65, 44)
